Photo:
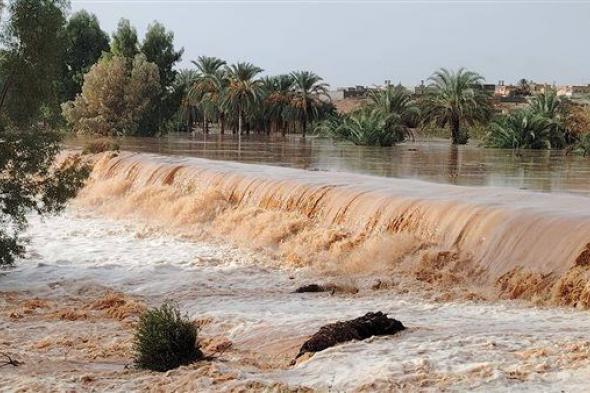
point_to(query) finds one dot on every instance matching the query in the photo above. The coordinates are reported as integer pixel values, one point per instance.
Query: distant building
(573, 91)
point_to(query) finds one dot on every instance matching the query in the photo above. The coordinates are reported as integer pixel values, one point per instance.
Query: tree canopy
(124, 42)
(85, 43)
(115, 96)
(31, 58)
(30, 65)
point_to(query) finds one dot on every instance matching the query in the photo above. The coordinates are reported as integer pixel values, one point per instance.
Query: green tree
(31, 59)
(309, 93)
(124, 42)
(277, 99)
(208, 87)
(521, 129)
(364, 126)
(549, 105)
(402, 110)
(158, 48)
(243, 91)
(456, 99)
(115, 97)
(85, 43)
(30, 66)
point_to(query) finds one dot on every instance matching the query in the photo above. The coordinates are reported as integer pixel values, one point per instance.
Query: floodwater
(452, 346)
(449, 234)
(430, 160)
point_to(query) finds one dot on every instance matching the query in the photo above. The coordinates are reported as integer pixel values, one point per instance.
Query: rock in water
(311, 288)
(371, 324)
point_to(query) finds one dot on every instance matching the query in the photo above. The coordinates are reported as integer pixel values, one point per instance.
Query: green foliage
(208, 87)
(31, 59)
(30, 182)
(85, 43)
(396, 100)
(308, 97)
(244, 91)
(551, 107)
(584, 145)
(124, 42)
(115, 97)
(363, 127)
(158, 48)
(165, 340)
(456, 99)
(523, 129)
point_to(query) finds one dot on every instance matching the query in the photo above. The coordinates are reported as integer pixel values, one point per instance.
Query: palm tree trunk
(240, 120)
(222, 123)
(456, 131)
(303, 127)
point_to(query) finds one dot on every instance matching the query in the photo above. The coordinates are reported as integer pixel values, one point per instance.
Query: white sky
(365, 42)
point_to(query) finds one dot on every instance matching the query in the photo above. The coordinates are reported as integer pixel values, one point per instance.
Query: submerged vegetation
(547, 122)
(164, 339)
(384, 121)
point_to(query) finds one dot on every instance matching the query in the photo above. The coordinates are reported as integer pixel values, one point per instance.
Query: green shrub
(165, 339)
(584, 145)
(522, 129)
(99, 146)
(364, 127)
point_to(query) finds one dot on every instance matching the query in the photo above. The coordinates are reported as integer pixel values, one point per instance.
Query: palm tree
(456, 99)
(309, 95)
(243, 90)
(183, 82)
(524, 87)
(206, 88)
(549, 105)
(277, 98)
(398, 104)
(521, 129)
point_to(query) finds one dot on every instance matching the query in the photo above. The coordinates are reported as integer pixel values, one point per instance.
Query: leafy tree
(308, 96)
(158, 48)
(85, 44)
(115, 96)
(30, 65)
(124, 42)
(243, 91)
(456, 99)
(31, 59)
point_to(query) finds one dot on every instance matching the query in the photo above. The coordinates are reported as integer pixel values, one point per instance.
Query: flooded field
(490, 277)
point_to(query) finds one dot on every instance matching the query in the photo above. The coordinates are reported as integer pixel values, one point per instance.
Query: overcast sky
(366, 42)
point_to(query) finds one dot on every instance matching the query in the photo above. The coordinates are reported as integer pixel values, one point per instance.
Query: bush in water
(364, 126)
(165, 339)
(99, 146)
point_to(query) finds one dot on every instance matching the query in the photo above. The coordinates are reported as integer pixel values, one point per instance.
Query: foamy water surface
(457, 346)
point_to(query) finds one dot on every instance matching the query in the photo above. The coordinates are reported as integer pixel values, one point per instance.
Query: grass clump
(99, 146)
(164, 339)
